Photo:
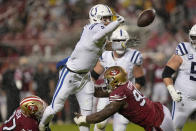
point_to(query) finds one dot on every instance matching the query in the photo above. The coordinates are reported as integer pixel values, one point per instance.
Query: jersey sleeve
(181, 49)
(10, 124)
(104, 30)
(136, 58)
(96, 27)
(117, 95)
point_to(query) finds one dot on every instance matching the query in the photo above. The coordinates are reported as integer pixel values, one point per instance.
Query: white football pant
(167, 123)
(70, 83)
(181, 111)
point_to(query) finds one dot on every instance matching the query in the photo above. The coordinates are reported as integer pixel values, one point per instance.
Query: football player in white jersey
(183, 92)
(74, 74)
(131, 61)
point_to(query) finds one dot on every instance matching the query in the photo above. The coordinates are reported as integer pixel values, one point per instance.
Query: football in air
(146, 17)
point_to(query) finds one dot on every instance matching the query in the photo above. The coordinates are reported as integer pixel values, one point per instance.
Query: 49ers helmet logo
(114, 72)
(33, 108)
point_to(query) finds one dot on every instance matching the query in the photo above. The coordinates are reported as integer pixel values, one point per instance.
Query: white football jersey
(186, 78)
(90, 46)
(131, 57)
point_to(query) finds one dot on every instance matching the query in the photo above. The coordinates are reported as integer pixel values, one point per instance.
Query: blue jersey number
(193, 71)
(93, 25)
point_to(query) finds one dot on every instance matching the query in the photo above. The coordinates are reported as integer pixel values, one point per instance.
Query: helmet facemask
(121, 42)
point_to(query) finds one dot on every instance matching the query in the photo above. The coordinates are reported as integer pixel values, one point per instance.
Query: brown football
(146, 17)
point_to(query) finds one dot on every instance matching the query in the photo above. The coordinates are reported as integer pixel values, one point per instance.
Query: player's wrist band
(94, 75)
(167, 72)
(140, 80)
(171, 89)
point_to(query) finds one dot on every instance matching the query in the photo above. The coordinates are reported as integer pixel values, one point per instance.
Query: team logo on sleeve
(190, 56)
(114, 72)
(177, 51)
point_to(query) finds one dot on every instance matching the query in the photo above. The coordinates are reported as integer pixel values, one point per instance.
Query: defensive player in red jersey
(129, 102)
(26, 117)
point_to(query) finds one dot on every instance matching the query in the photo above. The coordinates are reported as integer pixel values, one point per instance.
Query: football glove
(120, 19)
(79, 119)
(42, 127)
(176, 95)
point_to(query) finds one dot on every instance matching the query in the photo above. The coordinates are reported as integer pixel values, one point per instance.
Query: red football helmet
(115, 76)
(33, 106)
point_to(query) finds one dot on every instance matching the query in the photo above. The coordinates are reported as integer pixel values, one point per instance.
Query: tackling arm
(100, 92)
(109, 110)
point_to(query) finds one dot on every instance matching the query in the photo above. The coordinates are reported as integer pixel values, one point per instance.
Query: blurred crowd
(35, 34)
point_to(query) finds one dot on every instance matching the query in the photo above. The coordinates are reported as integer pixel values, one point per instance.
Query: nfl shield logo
(190, 57)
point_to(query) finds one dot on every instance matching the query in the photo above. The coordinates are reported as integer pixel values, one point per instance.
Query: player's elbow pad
(94, 75)
(167, 72)
(140, 80)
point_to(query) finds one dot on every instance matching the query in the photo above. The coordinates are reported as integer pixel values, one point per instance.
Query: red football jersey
(20, 122)
(139, 109)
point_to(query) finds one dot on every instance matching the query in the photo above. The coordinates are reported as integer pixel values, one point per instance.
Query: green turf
(189, 126)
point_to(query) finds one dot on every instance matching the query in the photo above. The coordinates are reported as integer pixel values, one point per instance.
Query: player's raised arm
(108, 29)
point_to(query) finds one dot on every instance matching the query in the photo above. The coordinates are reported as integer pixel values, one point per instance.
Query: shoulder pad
(182, 49)
(136, 58)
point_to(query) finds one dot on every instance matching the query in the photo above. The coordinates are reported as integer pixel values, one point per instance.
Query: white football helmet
(120, 37)
(192, 36)
(99, 11)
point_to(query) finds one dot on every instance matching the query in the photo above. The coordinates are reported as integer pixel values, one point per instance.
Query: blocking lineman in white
(183, 92)
(74, 74)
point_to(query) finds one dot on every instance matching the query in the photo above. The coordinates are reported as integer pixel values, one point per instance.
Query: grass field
(189, 126)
